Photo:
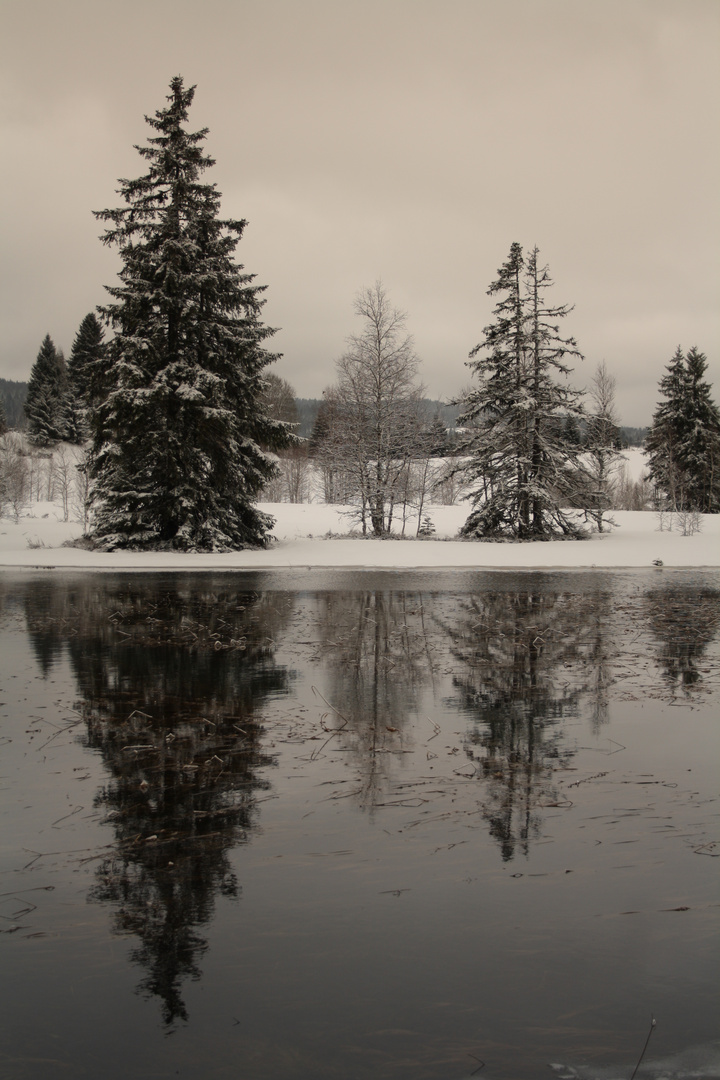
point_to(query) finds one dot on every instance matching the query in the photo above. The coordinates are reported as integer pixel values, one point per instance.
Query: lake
(389, 825)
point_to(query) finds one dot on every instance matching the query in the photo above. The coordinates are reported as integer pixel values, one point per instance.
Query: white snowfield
(315, 535)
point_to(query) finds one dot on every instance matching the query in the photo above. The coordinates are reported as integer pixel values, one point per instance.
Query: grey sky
(407, 140)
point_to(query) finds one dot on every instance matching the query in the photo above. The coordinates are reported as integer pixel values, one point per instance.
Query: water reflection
(171, 684)
(685, 620)
(380, 659)
(525, 659)
(174, 675)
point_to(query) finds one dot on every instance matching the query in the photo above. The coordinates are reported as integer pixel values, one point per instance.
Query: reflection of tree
(526, 657)
(685, 619)
(597, 651)
(46, 609)
(379, 659)
(171, 680)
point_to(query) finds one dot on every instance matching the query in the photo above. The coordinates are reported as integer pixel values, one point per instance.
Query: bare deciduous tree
(278, 399)
(295, 470)
(80, 497)
(63, 475)
(632, 494)
(602, 451)
(376, 410)
(14, 477)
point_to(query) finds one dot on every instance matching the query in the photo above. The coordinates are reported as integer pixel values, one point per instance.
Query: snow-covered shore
(315, 535)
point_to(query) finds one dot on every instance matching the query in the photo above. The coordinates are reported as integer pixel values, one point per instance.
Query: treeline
(13, 394)
(52, 406)
(308, 409)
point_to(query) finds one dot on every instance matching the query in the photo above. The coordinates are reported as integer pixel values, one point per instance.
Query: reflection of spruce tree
(379, 661)
(46, 610)
(171, 682)
(524, 665)
(685, 620)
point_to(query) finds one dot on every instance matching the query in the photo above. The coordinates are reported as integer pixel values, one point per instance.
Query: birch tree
(376, 410)
(602, 448)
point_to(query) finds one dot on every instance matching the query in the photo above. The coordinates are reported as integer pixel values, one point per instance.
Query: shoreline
(314, 537)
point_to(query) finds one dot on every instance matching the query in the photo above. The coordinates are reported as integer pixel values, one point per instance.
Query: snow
(634, 461)
(315, 535)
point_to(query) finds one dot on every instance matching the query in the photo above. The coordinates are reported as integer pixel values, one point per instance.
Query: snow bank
(307, 536)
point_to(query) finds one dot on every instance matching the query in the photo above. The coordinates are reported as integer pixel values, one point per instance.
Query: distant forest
(14, 393)
(308, 409)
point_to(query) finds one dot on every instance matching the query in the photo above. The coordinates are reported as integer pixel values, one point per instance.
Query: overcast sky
(405, 140)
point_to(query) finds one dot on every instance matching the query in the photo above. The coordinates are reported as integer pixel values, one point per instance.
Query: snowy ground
(315, 535)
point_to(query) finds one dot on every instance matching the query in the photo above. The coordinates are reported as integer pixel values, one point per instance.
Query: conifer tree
(46, 402)
(87, 375)
(521, 468)
(683, 444)
(3, 417)
(176, 441)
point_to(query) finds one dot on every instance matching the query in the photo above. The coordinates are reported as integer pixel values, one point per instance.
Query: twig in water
(60, 731)
(436, 731)
(336, 711)
(334, 731)
(653, 1022)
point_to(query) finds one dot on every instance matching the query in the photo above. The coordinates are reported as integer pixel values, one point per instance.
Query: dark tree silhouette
(172, 681)
(46, 403)
(177, 458)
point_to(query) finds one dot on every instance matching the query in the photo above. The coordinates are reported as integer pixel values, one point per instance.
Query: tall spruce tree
(521, 467)
(683, 443)
(46, 406)
(177, 458)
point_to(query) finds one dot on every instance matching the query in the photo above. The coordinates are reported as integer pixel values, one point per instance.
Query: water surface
(349, 825)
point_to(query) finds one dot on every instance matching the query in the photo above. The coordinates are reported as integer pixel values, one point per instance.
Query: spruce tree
(46, 403)
(87, 374)
(177, 458)
(683, 443)
(701, 439)
(522, 469)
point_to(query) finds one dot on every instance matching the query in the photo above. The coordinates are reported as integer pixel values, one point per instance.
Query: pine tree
(176, 441)
(46, 402)
(683, 444)
(521, 466)
(3, 417)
